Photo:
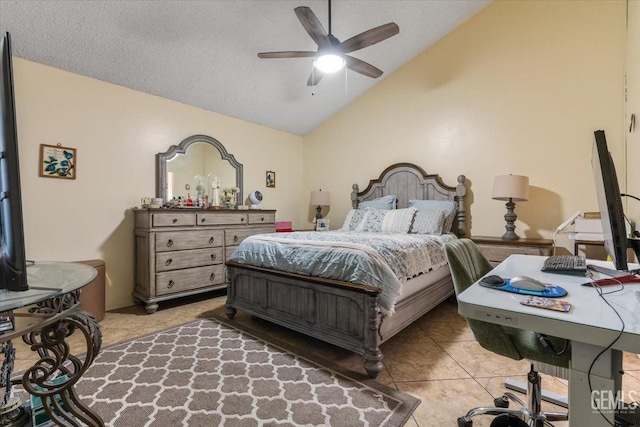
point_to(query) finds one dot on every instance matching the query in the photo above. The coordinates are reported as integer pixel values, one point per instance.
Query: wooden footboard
(340, 313)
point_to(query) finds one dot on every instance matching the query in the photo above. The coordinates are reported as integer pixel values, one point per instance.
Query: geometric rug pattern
(209, 374)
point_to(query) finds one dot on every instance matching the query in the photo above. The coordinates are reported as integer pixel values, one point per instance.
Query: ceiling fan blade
(372, 36)
(310, 23)
(287, 54)
(315, 77)
(362, 67)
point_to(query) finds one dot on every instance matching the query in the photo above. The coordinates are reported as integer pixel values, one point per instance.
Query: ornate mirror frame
(162, 158)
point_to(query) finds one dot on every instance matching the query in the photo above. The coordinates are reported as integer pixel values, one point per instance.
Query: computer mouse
(525, 282)
(492, 280)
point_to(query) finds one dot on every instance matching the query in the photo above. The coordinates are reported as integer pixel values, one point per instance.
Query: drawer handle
(241, 219)
(168, 262)
(175, 220)
(169, 243)
(262, 219)
(170, 285)
(213, 257)
(211, 240)
(235, 239)
(203, 220)
(212, 277)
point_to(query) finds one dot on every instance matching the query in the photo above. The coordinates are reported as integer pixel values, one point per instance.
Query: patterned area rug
(207, 373)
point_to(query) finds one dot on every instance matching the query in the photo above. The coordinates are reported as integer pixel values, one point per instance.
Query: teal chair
(468, 265)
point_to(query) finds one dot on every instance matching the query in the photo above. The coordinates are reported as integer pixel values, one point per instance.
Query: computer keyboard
(565, 264)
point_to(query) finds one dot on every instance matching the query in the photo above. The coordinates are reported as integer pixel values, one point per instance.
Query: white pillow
(450, 209)
(354, 220)
(389, 221)
(428, 222)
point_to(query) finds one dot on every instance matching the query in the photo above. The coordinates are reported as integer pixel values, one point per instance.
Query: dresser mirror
(196, 156)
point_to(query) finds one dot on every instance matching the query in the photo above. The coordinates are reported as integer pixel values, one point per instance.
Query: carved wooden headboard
(408, 182)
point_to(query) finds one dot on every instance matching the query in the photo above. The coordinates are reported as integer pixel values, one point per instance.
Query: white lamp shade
(329, 63)
(514, 187)
(320, 198)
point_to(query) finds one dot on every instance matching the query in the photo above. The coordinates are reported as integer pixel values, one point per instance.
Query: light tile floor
(435, 359)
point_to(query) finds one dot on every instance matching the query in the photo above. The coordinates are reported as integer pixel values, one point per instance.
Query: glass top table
(47, 280)
(52, 309)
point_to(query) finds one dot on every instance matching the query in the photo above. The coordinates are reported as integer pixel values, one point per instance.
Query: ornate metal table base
(48, 338)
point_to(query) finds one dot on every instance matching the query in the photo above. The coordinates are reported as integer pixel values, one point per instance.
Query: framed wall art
(57, 161)
(271, 179)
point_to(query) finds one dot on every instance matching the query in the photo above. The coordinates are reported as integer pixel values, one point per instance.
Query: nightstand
(497, 250)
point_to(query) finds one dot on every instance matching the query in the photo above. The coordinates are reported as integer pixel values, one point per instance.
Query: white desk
(591, 325)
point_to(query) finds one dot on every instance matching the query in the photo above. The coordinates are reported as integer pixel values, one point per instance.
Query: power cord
(546, 343)
(602, 295)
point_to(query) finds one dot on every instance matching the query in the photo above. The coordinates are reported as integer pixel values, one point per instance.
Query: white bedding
(383, 260)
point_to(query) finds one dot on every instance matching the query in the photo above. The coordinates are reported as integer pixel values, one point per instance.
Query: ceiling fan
(331, 55)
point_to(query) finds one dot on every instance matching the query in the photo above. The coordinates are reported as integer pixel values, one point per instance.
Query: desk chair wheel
(508, 420)
(501, 402)
(464, 423)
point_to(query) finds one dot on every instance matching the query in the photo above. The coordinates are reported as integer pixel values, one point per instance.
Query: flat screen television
(616, 241)
(13, 269)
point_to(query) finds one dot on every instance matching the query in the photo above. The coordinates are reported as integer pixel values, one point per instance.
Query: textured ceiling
(204, 53)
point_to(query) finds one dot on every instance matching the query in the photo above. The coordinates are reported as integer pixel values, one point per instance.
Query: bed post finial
(461, 196)
(354, 196)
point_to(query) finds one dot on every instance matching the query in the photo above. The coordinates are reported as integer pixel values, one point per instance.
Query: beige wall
(117, 133)
(518, 88)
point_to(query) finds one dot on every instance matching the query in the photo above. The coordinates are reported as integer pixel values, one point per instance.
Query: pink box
(283, 226)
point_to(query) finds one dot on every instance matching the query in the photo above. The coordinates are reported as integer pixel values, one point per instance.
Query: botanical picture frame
(322, 224)
(57, 161)
(271, 179)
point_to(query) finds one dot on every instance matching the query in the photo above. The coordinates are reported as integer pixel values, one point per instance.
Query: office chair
(468, 265)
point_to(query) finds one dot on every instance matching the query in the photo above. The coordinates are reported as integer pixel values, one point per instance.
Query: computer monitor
(13, 269)
(616, 241)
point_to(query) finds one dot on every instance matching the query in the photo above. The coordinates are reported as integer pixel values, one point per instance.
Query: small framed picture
(322, 224)
(57, 161)
(271, 179)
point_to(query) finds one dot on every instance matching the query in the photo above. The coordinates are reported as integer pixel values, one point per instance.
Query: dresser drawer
(234, 237)
(193, 278)
(173, 219)
(217, 218)
(262, 217)
(166, 261)
(180, 240)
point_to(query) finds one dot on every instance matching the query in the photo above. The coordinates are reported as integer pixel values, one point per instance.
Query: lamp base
(319, 212)
(510, 217)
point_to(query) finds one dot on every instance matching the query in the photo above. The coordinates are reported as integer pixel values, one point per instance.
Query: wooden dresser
(497, 250)
(182, 252)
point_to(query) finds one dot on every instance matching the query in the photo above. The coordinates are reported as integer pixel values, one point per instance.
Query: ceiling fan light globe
(329, 63)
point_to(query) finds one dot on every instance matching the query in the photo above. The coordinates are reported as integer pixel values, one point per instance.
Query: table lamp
(320, 198)
(512, 188)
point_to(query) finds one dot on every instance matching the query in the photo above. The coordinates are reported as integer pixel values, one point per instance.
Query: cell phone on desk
(548, 303)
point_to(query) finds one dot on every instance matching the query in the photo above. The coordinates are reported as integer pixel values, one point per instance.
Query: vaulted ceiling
(204, 53)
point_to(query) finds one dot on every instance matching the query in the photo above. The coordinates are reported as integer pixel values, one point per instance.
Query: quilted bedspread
(382, 260)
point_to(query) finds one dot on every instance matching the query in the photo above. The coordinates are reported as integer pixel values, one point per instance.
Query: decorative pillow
(428, 222)
(448, 207)
(389, 221)
(354, 220)
(382, 203)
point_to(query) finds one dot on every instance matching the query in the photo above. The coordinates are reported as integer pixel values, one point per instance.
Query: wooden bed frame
(342, 313)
